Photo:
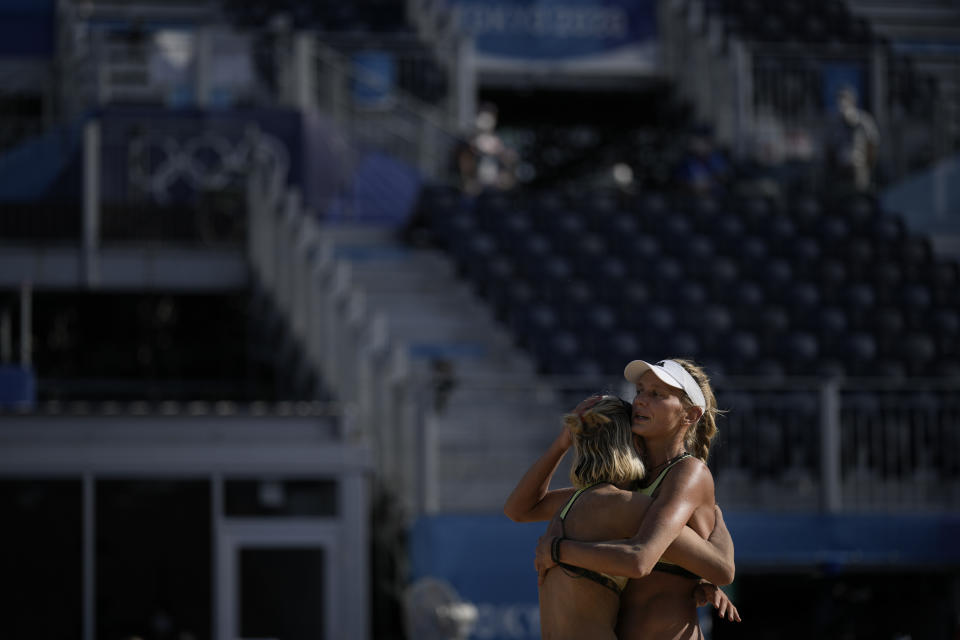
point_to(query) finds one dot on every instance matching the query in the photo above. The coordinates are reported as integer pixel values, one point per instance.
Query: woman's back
(573, 606)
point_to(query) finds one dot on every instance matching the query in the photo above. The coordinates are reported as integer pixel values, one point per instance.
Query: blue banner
(602, 34)
(488, 560)
(166, 156)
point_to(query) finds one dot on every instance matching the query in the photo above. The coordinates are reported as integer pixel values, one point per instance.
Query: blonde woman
(673, 413)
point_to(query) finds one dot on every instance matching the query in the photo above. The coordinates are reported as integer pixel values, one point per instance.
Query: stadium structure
(292, 293)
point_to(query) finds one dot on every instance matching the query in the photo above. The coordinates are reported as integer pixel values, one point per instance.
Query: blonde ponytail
(701, 435)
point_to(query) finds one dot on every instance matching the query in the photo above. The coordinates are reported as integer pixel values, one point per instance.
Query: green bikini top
(648, 490)
(668, 567)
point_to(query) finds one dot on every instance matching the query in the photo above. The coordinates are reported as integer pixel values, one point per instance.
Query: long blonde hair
(700, 436)
(603, 445)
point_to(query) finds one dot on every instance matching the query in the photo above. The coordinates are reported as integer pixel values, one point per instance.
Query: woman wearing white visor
(674, 416)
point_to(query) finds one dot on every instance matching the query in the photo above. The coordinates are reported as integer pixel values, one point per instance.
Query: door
(276, 581)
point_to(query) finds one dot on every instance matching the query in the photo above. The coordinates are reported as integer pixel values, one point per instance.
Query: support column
(219, 589)
(743, 74)
(88, 538)
(26, 325)
(204, 51)
(465, 81)
(6, 337)
(354, 567)
(830, 496)
(305, 77)
(90, 251)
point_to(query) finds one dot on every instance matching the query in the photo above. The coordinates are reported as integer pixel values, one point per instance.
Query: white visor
(671, 373)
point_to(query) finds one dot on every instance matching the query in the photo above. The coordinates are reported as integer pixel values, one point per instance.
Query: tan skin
(659, 606)
(571, 607)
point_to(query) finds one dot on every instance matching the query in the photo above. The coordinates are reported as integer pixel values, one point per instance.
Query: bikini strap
(656, 483)
(566, 507)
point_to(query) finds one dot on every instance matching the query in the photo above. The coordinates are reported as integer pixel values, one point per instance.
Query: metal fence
(775, 102)
(364, 102)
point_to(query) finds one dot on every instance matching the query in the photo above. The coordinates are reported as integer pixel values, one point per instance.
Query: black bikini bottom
(599, 578)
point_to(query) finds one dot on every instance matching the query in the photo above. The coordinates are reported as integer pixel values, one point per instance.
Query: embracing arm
(531, 500)
(711, 558)
(687, 487)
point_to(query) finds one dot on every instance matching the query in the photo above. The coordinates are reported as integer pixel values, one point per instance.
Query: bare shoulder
(691, 476)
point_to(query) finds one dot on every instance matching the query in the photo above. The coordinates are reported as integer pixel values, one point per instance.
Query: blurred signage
(562, 35)
(167, 156)
(488, 560)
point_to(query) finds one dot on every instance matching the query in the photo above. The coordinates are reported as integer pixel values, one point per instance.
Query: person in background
(853, 146)
(704, 169)
(485, 161)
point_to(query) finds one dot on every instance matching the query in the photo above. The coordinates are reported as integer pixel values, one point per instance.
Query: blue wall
(489, 560)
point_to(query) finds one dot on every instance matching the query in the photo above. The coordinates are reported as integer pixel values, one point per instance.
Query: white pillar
(466, 83)
(743, 75)
(830, 446)
(204, 50)
(219, 588)
(305, 76)
(91, 204)
(26, 324)
(88, 538)
(354, 568)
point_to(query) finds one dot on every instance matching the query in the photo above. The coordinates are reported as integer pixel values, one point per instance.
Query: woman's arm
(688, 486)
(531, 500)
(711, 558)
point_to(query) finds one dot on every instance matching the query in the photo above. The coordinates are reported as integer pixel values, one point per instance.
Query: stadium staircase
(389, 327)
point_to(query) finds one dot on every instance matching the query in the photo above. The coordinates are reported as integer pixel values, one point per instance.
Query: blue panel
(489, 560)
(836, 76)
(18, 387)
(764, 539)
(384, 190)
(377, 76)
(29, 170)
(449, 350)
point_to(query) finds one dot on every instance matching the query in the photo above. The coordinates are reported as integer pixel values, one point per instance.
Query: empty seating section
(748, 288)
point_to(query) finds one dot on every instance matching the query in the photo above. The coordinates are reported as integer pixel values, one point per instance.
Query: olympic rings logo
(206, 162)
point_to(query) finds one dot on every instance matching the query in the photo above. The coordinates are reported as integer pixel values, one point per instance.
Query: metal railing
(376, 114)
(769, 101)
